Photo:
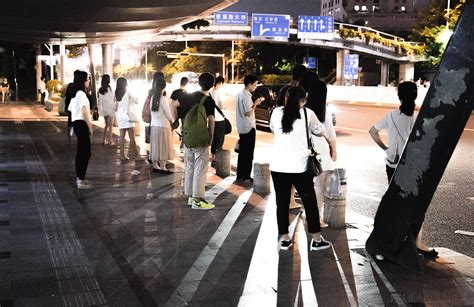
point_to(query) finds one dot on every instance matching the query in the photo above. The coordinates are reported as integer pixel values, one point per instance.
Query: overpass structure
(344, 45)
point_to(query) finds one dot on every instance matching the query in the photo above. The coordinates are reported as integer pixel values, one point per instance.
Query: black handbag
(147, 134)
(95, 114)
(227, 124)
(313, 166)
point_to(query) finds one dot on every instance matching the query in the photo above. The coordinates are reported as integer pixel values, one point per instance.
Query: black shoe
(428, 254)
(285, 245)
(319, 246)
(213, 164)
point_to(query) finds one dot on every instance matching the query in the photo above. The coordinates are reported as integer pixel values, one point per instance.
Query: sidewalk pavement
(133, 241)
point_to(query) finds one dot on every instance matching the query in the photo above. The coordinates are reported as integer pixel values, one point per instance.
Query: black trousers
(83, 153)
(43, 96)
(303, 183)
(245, 159)
(219, 134)
(389, 170)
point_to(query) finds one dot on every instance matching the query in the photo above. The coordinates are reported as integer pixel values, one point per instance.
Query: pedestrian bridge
(357, 39)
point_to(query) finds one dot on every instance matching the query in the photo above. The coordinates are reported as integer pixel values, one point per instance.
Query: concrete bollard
(335, 212)
(261, 177)
(335, 200)
(223, 163)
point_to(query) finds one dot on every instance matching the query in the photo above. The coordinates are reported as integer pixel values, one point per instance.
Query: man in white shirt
(245, 120)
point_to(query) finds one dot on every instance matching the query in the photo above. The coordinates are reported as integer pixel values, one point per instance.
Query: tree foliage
(431, 27)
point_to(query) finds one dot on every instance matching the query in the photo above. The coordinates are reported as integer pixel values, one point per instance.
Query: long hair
(159, 87)
(80, 77)
(407, 92)
(104, 84)
(317, 92)
(156, 76)
(121, 88)
(291, 110)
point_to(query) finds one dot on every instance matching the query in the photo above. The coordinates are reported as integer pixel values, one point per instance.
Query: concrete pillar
(223, 163)
(107, 59)
(335, 200)
(340, 66)
(92, 76)
(443, 116)
(383, 73)
(62, 63)
(261, 177)
(406, 72)
(39, 68)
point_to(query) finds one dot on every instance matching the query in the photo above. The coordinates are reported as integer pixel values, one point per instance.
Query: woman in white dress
(161, 135)
(325, 146)
(107, 109)
(126, 117)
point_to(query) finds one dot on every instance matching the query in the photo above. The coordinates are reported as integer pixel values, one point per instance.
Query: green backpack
(195, 131)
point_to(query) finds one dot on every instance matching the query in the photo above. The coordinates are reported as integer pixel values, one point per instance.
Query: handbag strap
(219, 110)
(307, 131)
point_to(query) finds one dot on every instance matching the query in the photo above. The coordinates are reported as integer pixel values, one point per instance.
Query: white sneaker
(323, 224)
(84, 185)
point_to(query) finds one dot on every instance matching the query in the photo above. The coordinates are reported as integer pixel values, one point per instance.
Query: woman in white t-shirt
(288, 164)
(125, 110)
(399, 124)
(219, 124)
(82, 125)
(324, 145)
(107, 109)
(161, 135)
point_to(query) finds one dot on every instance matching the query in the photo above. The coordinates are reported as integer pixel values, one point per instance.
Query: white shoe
(323, 224)
(84, 185)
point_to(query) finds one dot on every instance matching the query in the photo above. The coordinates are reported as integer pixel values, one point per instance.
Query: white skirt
(161, 144)
(322, 147)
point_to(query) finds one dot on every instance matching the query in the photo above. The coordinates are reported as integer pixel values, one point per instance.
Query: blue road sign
(231, 18)
(316, 27)
(266, 25)
(351, 66)
(310, 62)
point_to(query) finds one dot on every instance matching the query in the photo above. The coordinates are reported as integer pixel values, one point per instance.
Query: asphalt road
(452, 206)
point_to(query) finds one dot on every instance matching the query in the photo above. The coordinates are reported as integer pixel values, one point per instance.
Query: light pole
(447, 13)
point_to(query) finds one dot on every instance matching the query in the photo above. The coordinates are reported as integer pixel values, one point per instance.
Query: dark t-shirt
(187, 101)
(177, 94)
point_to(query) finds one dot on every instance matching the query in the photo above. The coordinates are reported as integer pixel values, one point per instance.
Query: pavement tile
(35, 287)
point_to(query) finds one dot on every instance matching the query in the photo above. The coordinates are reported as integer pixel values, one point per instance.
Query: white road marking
(306, 281)
(463, 232)
(377, 199)
(185, 291)
(347, 287)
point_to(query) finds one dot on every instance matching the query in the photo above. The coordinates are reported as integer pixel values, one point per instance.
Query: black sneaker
(319, 246)
(285, 245)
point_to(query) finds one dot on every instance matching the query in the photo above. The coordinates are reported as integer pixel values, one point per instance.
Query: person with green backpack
(198, 131)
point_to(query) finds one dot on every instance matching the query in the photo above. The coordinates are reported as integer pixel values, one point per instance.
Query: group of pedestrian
(301, 109)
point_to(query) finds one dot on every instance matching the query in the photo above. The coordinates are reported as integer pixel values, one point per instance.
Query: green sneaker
(190, 201)
(202, 205)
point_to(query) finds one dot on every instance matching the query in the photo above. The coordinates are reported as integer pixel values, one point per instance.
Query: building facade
(394, 16)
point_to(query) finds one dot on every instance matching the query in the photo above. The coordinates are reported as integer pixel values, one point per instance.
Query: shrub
(54, 86)
(275, 79)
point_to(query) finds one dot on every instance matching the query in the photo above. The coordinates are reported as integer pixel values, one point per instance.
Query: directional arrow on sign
(302, 23)
(263, 30)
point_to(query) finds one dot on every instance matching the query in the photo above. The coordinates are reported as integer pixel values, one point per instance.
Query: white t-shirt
(290, 150)
(163, 116)
(75, 107)
(398, 126)
(123, 121)
(216, 95)
(244, 104)
(107, 103)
